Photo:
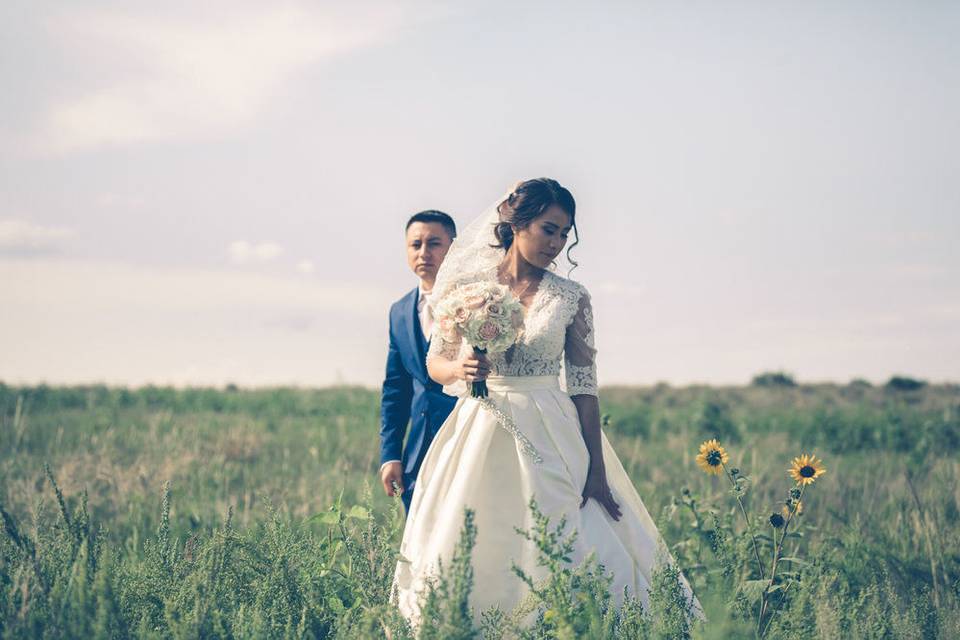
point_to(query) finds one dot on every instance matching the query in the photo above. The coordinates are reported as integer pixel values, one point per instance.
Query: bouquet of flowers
(484, 314)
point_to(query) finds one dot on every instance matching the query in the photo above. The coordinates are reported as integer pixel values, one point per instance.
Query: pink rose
(448, 327)
(494, 309)
(475, 302)
(460, 315)
(489, 331)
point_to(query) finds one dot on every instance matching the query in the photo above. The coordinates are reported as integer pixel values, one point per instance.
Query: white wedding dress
(494, 461)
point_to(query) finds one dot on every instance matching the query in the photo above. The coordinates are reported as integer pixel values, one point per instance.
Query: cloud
(243, 252)
(305, 266)
(102, 285)
(81, 321)
(194, 77)
(18, 235)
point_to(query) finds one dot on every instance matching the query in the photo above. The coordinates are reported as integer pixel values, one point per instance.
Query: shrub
(773, 379)
(903, 383)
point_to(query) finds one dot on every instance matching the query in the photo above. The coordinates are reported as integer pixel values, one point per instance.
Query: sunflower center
(807, 471)
(714, 458)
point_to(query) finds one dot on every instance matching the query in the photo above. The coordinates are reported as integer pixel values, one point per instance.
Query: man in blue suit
(408, 392)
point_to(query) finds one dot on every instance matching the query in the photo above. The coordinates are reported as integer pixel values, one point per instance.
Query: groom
(407, 389)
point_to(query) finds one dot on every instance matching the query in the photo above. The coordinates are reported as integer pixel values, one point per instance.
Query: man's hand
(391, 473)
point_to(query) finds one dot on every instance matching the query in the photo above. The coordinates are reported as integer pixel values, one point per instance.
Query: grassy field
(274, 524)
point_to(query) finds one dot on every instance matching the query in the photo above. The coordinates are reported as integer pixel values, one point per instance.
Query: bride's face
(543, 239)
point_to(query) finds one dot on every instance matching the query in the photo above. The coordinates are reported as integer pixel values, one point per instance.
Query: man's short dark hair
(432, 215)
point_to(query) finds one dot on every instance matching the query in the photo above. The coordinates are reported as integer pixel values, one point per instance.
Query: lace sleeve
(441, 348)
(578, 352)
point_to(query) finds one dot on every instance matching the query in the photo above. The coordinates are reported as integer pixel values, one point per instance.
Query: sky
(207, 195)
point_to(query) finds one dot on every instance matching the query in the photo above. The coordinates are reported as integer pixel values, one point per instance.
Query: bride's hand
(597, 488)
(473, 367)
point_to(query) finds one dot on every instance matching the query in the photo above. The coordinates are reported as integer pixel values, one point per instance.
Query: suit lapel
(415, 333)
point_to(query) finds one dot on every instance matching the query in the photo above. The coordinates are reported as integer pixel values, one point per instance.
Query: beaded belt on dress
(516, 383)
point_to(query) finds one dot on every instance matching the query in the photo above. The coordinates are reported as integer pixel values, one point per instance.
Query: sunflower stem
(773, 612)
(777, 549)
(736, 494)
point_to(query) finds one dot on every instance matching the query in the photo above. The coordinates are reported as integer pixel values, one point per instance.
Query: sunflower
(712, 457)
(806, 469)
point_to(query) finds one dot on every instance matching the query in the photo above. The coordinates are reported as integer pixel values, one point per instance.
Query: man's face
(427, 245)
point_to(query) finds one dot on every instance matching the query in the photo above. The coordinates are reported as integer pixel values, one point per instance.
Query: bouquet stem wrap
(479, 387)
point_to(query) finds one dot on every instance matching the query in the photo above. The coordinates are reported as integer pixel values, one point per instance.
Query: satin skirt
(475, 462)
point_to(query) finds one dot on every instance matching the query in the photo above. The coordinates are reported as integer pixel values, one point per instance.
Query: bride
(528, 439)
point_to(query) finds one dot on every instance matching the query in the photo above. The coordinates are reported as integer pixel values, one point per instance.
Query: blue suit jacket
(408, 392)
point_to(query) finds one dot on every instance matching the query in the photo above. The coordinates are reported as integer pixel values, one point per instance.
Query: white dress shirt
(426, 323)
(424, 311)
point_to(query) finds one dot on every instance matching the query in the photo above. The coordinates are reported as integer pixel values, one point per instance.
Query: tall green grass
(269, 526)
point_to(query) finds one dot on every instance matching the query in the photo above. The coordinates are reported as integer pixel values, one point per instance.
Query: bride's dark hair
(528, 200)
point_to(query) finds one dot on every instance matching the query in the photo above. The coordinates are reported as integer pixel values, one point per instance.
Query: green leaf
(358, 512)
(753, 589)
(327, 517)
